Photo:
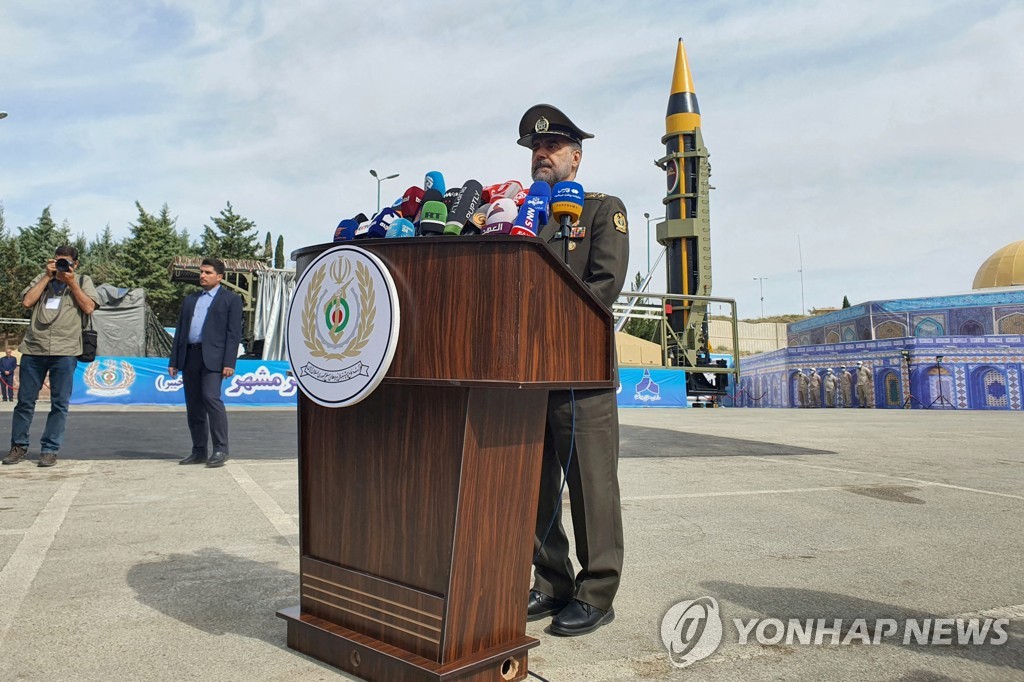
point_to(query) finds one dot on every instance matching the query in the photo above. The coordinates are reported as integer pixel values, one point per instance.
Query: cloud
(881, 133)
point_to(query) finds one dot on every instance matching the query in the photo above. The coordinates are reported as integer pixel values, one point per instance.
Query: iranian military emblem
(109, 378)
(541, 126)
(342, 326)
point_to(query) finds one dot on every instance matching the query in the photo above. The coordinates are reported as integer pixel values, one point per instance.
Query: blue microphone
(346, 230)
(434, 180)
(529, 221)
(380, 223)
(402, 227)
(566, 207)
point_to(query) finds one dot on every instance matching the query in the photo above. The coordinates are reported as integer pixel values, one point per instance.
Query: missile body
(686, 232)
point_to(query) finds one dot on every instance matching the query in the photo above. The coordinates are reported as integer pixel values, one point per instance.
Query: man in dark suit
(205, 350)
(582, 433)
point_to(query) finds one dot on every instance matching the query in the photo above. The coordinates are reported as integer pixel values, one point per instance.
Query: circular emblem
(342, 326)
(672, 175)
(541, 126)
(691, 631)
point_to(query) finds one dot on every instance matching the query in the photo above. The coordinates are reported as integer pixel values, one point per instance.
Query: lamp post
(761, 281)
(380, 180)
(3, 114)
(649, 219)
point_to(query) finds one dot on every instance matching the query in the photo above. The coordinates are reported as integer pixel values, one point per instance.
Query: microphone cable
(565, 474)
(533, 674)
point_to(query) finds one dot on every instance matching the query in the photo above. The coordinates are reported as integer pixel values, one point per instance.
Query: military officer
(865, 385)
(802, 384)
(814, 387)
(846, 386)
(830, 388)
(599, 254)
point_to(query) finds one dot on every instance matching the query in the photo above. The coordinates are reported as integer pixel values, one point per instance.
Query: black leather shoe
(541, 605)
(217, 460)
(579, 618)
(194, 459)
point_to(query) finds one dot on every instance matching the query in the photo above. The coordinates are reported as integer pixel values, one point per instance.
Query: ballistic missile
(686, 231)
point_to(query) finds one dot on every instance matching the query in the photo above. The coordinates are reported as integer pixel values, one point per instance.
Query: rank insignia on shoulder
(619, 219)
(577, 232)
(594, 195)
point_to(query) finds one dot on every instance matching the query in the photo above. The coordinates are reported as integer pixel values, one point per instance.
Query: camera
(63, 265)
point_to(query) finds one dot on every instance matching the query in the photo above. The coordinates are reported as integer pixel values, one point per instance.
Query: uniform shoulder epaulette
(594, 195)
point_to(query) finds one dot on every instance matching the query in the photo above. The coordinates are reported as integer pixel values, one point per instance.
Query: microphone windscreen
(566, 200)
(379, 225)
(500, 216)
(433, 216)
(360, 218)
(520, 196)
(434, 180)
(401, 227)
(433, 195)
(346, 230)
(463, 207)
(411, 202)
(479, 218)
(450, 196)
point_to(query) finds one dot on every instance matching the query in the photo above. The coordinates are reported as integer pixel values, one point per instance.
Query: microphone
(520, 196)
(566, 207)
(463, 207)
(478, 221)
(346, 230)
(380, 223)
(533, 213)
(360, 218)
(433, 216)
(450, 196)
(500, 217)
(502, 190)
(401, 227)
(411, 202)
(434, 180)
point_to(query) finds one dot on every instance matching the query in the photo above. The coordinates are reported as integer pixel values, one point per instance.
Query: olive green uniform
(600, 257)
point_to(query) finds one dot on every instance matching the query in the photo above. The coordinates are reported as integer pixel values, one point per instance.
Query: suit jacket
(600, 255)
(222, 330)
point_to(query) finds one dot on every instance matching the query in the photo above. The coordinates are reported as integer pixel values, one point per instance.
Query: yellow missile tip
(683, 113)
(682, 79)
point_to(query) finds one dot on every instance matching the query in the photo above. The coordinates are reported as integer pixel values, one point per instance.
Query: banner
(144, 381)
(639, 387)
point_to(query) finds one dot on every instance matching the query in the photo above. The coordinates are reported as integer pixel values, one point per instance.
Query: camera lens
(63, 264)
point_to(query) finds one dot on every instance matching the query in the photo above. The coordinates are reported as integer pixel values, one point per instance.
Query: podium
(417, 506)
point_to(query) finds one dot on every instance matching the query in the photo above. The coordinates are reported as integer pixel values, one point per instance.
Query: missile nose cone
(683, 113)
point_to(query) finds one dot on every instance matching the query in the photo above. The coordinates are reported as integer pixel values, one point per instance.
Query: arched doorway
(940, 390)
(989, 390)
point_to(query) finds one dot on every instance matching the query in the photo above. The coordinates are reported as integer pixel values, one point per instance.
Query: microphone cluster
(501, 208)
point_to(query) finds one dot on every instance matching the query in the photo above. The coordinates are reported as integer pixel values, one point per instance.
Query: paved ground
(119, 564)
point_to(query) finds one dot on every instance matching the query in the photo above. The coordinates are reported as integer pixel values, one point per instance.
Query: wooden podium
(417, 506)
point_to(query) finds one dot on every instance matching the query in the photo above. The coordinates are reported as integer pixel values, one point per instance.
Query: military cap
(544, 119)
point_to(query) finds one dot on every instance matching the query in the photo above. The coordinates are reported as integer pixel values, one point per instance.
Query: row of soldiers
(838, 388)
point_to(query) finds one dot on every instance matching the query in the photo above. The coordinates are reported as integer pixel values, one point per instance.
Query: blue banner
(639, 387)
(144, 381)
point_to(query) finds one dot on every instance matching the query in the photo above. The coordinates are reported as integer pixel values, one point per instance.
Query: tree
(147, 254)
(14, 276)
(641, 328)
(268, 250)
(103, 259)
(846, 302)
(279, 252)
(234, 236)
(37, 243)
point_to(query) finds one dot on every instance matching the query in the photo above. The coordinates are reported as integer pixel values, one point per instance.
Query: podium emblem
(343, 326)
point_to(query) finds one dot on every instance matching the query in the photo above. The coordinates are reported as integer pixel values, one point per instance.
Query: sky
(877, 144)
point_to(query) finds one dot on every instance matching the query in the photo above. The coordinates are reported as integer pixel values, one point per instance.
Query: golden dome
(1004, 268)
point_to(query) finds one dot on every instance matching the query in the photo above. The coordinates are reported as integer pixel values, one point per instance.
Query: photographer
(60, 300)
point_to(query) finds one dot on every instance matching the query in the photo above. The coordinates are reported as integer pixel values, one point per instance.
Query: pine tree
(846, 302)
(268, 250)
(234, 236)
(102, 259)
(641, 328)
(147, 255)
(279, 252)
(37, 243)
(14, 276)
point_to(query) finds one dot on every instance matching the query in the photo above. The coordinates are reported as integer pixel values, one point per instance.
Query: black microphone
(464, 206)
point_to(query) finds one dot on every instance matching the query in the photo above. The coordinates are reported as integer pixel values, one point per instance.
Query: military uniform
(865, 386)
(599, 255)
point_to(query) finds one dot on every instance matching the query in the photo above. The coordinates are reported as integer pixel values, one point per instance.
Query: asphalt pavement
(118, 564)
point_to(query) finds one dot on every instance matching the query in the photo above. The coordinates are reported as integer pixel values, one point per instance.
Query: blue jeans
(62, 376)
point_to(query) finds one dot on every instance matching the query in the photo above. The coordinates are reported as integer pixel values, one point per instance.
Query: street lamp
(761, 281)
(649, 219)
(380, 180)
(3, 114)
